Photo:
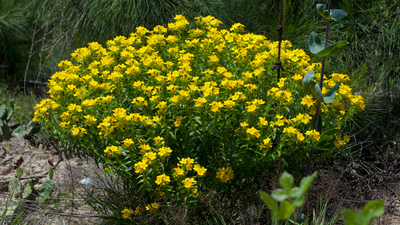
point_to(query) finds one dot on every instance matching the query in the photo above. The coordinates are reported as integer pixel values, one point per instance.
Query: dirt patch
(35, 157)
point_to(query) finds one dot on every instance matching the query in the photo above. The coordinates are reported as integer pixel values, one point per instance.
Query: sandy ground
(35, 159)
(36, 156)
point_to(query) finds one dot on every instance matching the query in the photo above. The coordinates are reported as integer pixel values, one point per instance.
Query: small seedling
(47, 188)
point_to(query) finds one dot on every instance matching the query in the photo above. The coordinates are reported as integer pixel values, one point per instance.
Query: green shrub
(177, 112)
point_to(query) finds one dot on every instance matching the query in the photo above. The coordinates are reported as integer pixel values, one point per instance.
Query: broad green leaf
(308, 83)
(323, 145)
(269, 201)
(372, 210)
(330, 96)
(279, 195)
(326, 14)
(3, 112)
(349, 217)
(315, 43)
(33, 127)
(306, 182)
(337, 14)
(332, 50)
(299, 201)
(321, 8)
(317, 93)
(285, 211)
(325, 141)
(286, 180)
(330, 133)
(295, 192)
(20, 132)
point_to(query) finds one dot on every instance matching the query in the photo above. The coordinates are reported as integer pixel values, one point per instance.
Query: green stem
(321, 82)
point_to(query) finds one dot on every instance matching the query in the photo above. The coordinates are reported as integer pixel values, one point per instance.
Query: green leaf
(372, 210)
(349, 217)
(330, 133)
(306, 182)
(317, 93)
(10, 114)
(337, 14)
(280, 195)
(323, 145)
(321, 8)
(332, 50)
(295, 192)
(286, 180)
(3, 112)
(308, 82)
(315, 43)
(285, 211)
(19, 173)
(269, 201)
(20, 132)
(51, 173)
(330, 96)
(325, 141)
(299, 201)
(33, 127)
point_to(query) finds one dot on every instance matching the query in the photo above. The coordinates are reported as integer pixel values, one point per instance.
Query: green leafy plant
(312, 88)
(25, 131)
(5, 117)
(16, 188)
(370, 211)
(47, 188)
(16, 129)
(289, 197)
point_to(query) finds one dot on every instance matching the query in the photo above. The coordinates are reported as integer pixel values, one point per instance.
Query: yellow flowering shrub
(175, 111)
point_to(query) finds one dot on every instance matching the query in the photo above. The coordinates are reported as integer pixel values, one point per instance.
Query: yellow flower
(178, 121)
(187, 183)
(161, 105)
(158, 139)
(215, 106)
(199, 102)
(266, 143)
(244, 125)
(253, 132)
(251, 108)
(188, 162)
(315, 135)
(128, 142)
(225, 174)
(151, 155)
(178, 172)
(162, 179)
(199, 169)
(263, 122)
(138, 209)
(213, 59)
(155, 205)
(308, 100)
(164, 151)
(229, 104)
(126, 213)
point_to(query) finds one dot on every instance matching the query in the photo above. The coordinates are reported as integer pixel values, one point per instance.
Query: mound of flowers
(178, 111)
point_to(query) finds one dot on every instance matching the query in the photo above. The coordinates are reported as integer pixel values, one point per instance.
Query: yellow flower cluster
(225, 174)
(132, 100)
(126, 213)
